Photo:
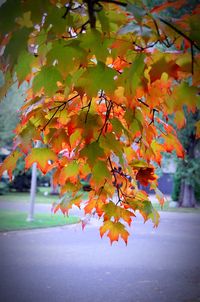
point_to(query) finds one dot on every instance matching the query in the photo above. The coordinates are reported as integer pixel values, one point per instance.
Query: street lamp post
(32, 193)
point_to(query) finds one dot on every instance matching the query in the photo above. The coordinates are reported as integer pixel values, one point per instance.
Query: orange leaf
(114, 230)
(10, 162)
(90, 205)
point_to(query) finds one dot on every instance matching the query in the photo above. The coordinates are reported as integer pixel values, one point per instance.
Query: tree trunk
(187, 197)
(54, 189)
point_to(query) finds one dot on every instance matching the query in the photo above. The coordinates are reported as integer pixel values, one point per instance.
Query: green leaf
(47, 78)
(185, 95)
(117, 212)
(148, 212)
(23, 67)
(37, 7)
(17, 44)
(100, 173)
(68, 55)
(97, 78)
(54, 17)
(25, 20)
(7, 83)
(104, 20)
(92, 152)
(94, 43)
(109, 143)
(41, 156)
(132, 76)
(27, 135)
(9, 11)
(71, 170)
(138, 164)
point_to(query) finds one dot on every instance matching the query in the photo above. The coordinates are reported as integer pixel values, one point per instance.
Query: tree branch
(91, 13)
(114, 2)
(115, 179)
(179, 32)
(68, 7)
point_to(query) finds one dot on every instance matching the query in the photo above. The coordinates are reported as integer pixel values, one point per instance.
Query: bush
(176, 188)
(4, 188)
(21, 182)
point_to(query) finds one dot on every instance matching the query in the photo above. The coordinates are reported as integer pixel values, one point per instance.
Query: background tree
(187, 176)
(104, 77)
(9, 114)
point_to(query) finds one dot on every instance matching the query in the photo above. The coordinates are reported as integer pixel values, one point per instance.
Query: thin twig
(58, 108)
(109, 107)
(152, 120)
(86, 117)
(139, 100)
(52, 117)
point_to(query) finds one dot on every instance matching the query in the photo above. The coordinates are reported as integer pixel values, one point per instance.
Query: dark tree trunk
(187, 197)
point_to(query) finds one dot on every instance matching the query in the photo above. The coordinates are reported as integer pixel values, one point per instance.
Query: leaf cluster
(104, 77)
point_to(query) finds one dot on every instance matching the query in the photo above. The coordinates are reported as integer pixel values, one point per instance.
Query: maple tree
(103, 77)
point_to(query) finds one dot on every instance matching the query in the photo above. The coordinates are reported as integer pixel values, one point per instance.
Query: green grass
(40, 197)
(17, 221)
(167, 208)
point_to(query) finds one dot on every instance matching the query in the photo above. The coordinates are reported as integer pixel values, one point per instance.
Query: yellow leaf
(25, 20)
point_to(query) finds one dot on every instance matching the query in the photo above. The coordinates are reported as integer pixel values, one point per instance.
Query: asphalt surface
(66, 264)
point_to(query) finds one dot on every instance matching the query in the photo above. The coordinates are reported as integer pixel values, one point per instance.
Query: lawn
(17, 221)
(42, 196)
(167, 208)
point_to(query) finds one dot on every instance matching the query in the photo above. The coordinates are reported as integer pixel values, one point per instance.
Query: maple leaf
(25, 20)
(112, 210)
(10, 162)
(70, 171)
(66, 204)
(93, 152)
(114, 230)
(145, 175)
(23, 67)
(47, 78)
(100, 173)
(90, 205)
(41, 156)
(96, 78)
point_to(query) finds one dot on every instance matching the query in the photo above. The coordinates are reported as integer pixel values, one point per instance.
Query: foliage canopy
(103, 77)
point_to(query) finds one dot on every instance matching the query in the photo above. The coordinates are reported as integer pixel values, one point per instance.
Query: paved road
(65, 264)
